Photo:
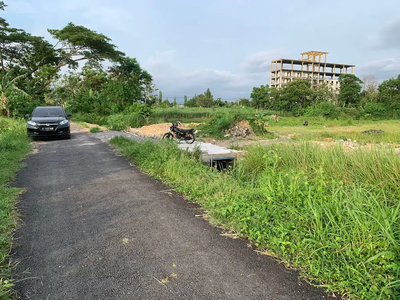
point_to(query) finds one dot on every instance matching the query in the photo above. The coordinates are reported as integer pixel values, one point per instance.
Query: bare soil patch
(77, 128)
(157, 129)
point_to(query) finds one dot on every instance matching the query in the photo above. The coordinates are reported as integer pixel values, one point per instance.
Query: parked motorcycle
(186, 135)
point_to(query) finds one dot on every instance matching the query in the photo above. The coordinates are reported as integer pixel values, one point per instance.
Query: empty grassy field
(322, 129)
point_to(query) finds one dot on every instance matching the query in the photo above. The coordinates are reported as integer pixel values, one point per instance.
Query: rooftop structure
(312, 66)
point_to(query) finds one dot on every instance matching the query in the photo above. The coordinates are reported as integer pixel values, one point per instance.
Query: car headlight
(31, 123)
(63, 122)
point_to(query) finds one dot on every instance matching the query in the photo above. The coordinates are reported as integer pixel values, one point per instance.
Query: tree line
(30, 75)
(355, 95)
(30, 71)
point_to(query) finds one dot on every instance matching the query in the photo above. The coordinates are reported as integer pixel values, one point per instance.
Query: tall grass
(377, 165)
(334, 215)
(196, 114)
(14, 145)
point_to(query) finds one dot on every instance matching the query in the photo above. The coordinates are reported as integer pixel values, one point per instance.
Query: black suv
(48, 121)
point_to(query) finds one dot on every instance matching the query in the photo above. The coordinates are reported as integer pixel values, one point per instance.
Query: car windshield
(48, 112)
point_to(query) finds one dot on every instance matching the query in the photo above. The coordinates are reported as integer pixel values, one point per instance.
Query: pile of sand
(157, 130)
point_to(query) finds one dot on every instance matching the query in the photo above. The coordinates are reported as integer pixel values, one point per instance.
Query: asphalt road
(95, 227)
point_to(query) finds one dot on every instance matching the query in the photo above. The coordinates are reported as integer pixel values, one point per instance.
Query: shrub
(375, 110)
(122, 121)
(95, 129)
(217, 124)
(324, 109)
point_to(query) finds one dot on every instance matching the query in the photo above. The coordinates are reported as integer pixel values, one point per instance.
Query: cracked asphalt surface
(96, 227)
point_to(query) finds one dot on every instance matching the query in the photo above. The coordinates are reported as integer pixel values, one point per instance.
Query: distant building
(312, 66)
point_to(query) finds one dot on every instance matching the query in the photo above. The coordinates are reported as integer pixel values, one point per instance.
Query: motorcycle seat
(184, 130)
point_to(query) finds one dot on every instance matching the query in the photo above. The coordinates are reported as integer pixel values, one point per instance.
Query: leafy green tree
(80, 43)
(106, 92)
(27, 55)
(275, 96)
(41, 61)
(175, 104)
(297, 94)
(65, 89)
(350, 90)
(260, 97)
(129, 70)
(205, 100)
(219, 103)
(185, 100)
(324, 93)
(208, 96)
(244, 102)
(192, 102)
(389, 91)
(8, 90)
(74, 44)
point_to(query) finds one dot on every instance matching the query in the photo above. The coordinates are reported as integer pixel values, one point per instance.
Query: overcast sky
(227, 45)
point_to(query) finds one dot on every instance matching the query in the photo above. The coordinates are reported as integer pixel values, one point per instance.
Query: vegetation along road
(96, 227)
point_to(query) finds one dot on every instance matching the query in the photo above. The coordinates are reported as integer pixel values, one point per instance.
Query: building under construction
(312, 66)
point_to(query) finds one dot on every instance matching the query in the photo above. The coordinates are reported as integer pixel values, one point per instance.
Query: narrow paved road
(95, 227)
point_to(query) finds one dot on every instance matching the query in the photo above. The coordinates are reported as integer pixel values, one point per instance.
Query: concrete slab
(210, 151)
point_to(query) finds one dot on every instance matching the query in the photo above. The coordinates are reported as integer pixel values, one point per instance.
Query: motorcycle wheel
(168, 136)
(190, 138)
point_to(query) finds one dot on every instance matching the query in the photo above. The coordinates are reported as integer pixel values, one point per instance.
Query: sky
(227, 45)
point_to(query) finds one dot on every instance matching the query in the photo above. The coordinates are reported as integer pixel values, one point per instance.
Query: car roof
(49, 107)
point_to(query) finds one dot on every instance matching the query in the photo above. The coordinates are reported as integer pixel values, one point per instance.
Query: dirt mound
(157, 129)
(240, 129)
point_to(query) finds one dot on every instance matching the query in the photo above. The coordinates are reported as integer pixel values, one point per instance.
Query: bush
(352, 112)
(375, 110)
(122, 121)
(324, 109)
(218, 124)
(94, 129)
(298, 111)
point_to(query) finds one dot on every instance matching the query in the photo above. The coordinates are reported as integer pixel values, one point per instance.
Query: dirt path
(95, 227)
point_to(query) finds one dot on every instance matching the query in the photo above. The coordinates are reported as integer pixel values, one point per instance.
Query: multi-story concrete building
(311, 66)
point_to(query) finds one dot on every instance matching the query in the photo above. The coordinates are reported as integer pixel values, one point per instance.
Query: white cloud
(382, 69)
(387, 37)
(20, 7)
(260, 62)
(101, 15)
(176, 81)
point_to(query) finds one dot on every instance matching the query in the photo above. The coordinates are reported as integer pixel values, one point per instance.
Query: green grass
(333, 215)
(95, 129)
(83, 124)
(197, 114)
(320, 130)
(14, 145)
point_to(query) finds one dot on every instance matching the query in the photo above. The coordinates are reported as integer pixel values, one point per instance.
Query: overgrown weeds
(95, 129)
(334, 215)
(14, 145)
